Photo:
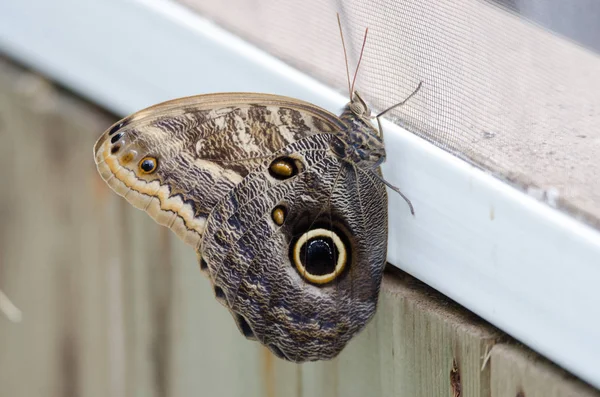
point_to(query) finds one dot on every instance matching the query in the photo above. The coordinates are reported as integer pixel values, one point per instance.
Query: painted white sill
(523, 266)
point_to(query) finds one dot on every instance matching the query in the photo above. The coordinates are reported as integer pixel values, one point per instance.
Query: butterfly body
(279, 198)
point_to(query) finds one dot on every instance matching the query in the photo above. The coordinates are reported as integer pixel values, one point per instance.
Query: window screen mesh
(512, 86)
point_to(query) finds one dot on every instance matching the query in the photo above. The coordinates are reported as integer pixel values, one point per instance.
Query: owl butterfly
(282, 201)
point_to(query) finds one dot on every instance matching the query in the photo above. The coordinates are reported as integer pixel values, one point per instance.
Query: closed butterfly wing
(175, 160)
(298, 258)
(279, 198)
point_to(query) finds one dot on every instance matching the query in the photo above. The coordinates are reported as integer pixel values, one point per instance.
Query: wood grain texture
(114, 305)
(54, 243)
(408, 350)
(519, 372)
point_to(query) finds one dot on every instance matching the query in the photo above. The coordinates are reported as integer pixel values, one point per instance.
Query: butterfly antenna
(345, 56)
(362, 50)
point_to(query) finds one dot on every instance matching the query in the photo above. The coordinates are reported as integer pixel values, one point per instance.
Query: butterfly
(282, 201)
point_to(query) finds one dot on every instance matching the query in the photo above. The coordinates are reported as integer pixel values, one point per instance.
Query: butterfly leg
(379, 129)
(394, 188)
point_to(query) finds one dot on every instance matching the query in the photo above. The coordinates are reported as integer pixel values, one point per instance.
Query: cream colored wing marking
(175, 160)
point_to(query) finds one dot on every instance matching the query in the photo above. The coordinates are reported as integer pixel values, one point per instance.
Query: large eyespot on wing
(302, 261)
(320, 254)
(176, 160)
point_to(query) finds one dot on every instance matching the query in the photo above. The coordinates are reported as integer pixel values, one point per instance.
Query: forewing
(202, 146)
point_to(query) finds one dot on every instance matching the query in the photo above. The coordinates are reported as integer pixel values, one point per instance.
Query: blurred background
(107, 303)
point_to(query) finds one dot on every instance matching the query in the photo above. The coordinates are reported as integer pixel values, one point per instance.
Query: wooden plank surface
(54, 242)
(114, 305)
(410, 349)
(519, 372)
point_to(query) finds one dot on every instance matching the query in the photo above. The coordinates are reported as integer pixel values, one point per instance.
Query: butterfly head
(360, 143)
(359, 107)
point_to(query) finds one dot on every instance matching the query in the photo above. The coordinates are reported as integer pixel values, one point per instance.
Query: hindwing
(251, 262)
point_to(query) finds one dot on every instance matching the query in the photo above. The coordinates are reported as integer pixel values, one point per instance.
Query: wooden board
(519, 372)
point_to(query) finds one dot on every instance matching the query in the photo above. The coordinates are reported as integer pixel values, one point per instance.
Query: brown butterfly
(282, 201)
